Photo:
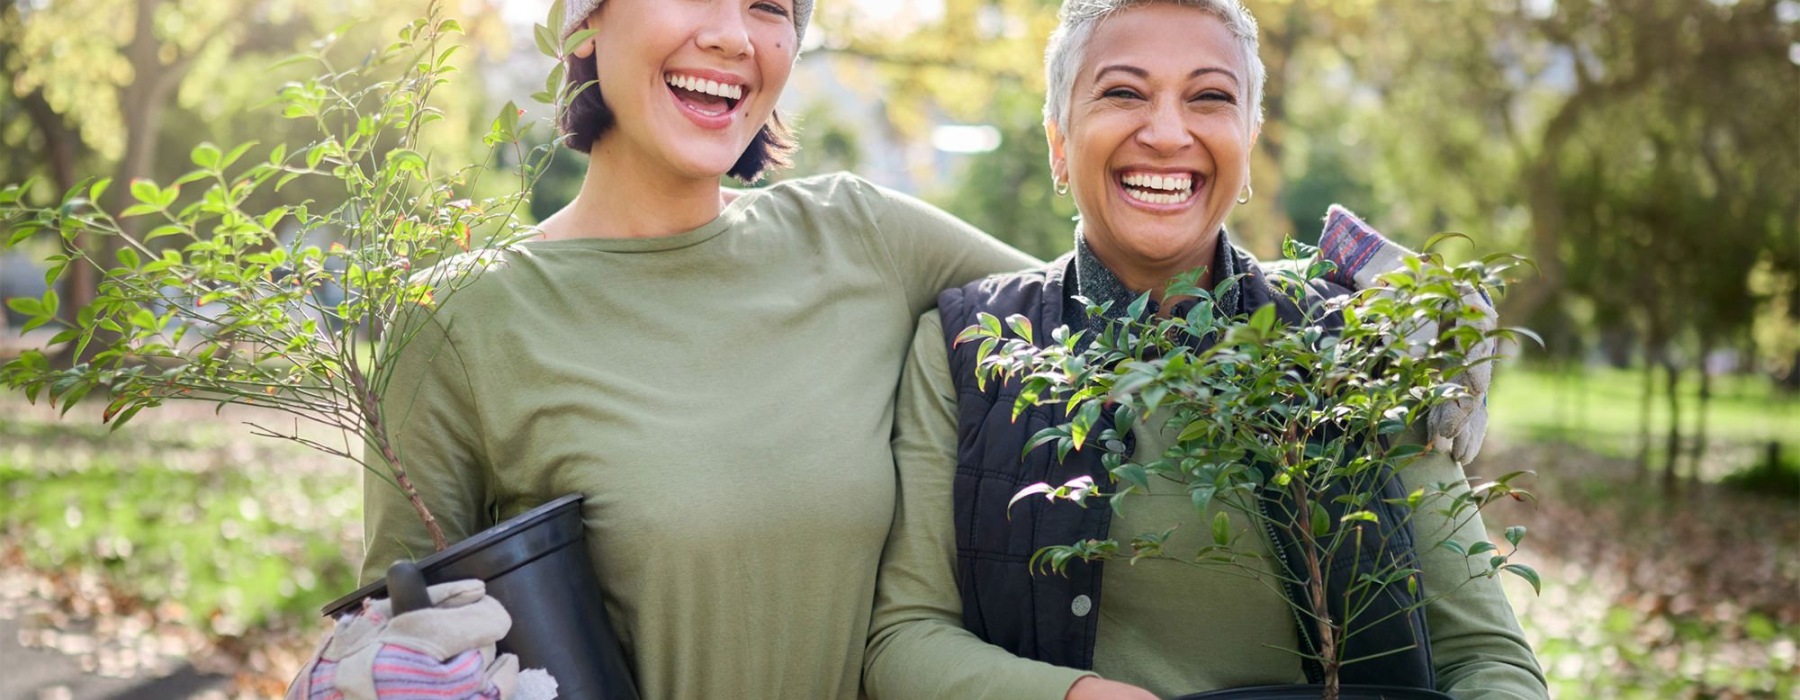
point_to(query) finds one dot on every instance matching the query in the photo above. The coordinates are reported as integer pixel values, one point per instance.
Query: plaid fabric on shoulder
(1348, 242)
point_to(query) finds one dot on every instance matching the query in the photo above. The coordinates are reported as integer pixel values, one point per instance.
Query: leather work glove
(1362, 255)
(445, 652)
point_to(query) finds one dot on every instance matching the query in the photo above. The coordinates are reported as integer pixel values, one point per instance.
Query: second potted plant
(1295, 429)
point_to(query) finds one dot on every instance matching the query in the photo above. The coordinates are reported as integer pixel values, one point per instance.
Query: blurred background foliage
(1645, 153)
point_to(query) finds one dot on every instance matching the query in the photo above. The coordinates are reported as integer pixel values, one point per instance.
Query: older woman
(1153, 109)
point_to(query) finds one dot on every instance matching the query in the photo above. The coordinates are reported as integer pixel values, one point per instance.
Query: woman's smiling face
(690, 82)
(1158, 142)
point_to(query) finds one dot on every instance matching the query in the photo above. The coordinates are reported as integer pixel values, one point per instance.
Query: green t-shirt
(1170, 628)
(723, 397)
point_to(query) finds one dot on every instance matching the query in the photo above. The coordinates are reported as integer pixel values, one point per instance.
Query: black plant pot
(537, 566)
(1312, 692)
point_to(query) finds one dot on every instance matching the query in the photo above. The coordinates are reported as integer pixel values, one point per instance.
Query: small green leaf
(1202, 495)
(1321, 520)
(235, 154)
(576, 39)
(145, 191)
(1529, 574)
(1264, 318)
(1221, 529)
(1133, 474)
(206, 156)
(989, 323)
(26, 305)
(1514, 534)
(546, 41)
(1136, 309)
(1020, 325)
(98, 190)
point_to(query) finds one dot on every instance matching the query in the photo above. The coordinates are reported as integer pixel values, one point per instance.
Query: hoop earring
(1062, 189)
(1245, 197)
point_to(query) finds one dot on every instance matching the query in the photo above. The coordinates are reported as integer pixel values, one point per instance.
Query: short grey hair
(1075, 29)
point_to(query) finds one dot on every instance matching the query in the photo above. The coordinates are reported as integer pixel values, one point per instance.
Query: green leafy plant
(203, 297)
(1294, 427)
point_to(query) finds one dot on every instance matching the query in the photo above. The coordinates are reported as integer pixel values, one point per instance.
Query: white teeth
(1156, 197)
(709, 87)
(1168, 183)
(1159, 189)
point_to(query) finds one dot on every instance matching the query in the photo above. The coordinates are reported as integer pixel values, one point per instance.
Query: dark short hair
(588, 117)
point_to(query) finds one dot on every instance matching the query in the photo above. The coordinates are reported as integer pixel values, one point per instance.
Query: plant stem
(378, 431)
(1315, 586)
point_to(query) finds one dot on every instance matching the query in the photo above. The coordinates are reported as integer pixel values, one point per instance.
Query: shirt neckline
(732, 214)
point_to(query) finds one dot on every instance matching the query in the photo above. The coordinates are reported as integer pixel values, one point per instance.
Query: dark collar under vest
(1096, 282)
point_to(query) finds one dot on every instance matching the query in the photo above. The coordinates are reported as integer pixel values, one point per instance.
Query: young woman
(1153, 109)
(715, 369)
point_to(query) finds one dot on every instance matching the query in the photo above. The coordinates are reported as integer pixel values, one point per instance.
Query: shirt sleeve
(1477, 647)
(917, 645)
(932, 251)
(429, 409)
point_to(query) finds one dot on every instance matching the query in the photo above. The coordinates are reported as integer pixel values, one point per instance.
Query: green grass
(1601, 408)
(229, 531)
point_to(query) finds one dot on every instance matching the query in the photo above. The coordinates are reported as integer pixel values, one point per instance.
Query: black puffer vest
(1055, 618)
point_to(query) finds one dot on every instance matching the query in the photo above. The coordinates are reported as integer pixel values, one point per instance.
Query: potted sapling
(1288, 437)
(208, 293)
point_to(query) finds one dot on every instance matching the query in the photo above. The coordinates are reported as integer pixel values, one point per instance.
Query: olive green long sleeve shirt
(724, 399)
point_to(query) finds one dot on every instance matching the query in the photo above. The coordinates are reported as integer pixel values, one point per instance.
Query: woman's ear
(586, 48)
(1059, 165)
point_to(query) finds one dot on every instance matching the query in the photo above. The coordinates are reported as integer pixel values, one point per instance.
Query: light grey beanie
(578, 10)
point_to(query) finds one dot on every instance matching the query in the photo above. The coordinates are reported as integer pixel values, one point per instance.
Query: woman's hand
(1097, 688)
(445, 650)
(1362, 255)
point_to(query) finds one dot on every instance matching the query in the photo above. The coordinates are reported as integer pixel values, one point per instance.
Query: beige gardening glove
(1362, 255)
(444, 651)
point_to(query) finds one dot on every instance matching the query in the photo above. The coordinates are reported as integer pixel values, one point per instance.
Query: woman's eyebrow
(1122, 68)
(1145, 75)
(1221, 71)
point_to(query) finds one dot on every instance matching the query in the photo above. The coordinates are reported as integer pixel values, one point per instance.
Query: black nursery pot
(1312, 692)
(537, 566)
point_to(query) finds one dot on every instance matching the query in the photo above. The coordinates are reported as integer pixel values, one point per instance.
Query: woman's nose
(726, 33)
(1165, 129)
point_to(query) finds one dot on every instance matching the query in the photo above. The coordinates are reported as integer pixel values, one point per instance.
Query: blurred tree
(832, 144)
(1008, 193)
(90, 83)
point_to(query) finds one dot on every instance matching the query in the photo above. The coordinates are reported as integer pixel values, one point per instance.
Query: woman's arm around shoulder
(929, 249)
(917, 645)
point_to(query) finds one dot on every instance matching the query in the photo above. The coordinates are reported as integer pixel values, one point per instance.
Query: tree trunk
(1706, 385)
(62, 149)
(1672, 370)
(1644, 404)
(141, 105)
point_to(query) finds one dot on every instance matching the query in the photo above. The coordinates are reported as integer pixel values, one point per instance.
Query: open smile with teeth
(706, 96)
(1158, 189)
